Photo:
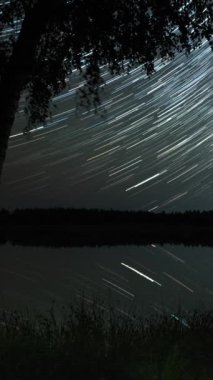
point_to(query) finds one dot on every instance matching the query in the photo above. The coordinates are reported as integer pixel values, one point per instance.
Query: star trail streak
(141, 274)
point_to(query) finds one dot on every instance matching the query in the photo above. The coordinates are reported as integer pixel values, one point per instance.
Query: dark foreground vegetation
(96, 343)
(79, 227)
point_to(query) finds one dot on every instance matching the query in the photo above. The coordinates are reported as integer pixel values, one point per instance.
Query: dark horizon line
(102, 209)
(84, 216)
(89, 227)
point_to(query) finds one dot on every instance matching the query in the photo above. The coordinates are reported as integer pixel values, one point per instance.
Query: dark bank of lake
(79, 235)
(145, 278)
(61, 227)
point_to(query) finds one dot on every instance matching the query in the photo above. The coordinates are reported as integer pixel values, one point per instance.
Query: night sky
(149, 147)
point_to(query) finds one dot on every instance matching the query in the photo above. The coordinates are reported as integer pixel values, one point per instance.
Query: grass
(93, 342)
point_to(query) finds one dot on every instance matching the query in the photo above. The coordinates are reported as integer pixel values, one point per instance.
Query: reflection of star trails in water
(152, 150)
(141, 274)
(178, 282)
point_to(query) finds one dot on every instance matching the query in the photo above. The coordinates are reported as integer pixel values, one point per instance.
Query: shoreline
(106, 234)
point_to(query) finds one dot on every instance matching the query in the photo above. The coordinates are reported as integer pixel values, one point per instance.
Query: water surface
(151, 278)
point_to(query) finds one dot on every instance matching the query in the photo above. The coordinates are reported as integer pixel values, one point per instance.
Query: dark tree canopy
(49, 38)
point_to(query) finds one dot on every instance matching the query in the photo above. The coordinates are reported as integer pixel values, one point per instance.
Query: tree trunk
(10, 90)
(20, 68)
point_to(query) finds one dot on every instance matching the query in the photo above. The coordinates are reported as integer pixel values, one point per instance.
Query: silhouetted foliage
(97, 341)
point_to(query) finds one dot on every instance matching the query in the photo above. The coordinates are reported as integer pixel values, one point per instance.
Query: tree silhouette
(42, 41)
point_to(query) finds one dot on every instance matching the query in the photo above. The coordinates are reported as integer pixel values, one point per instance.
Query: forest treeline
(71, 216)
(62, 227)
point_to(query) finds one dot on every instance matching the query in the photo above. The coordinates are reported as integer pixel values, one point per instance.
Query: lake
(146, 278)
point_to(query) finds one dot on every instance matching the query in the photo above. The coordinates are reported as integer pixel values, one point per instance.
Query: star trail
(148, 147)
